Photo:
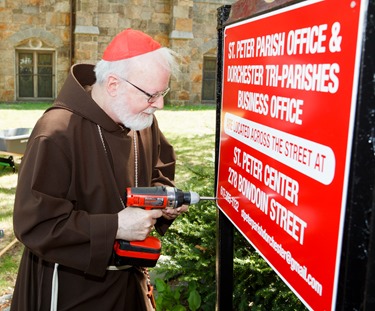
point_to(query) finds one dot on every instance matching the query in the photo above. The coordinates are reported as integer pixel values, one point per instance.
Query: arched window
(35, 70)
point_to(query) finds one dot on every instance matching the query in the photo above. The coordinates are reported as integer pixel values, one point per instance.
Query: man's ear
(112, 85)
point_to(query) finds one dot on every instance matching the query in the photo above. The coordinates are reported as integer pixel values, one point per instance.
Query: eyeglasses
(151, 97)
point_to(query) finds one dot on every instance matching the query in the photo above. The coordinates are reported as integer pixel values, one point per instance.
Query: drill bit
(194, 198)
(209, 198)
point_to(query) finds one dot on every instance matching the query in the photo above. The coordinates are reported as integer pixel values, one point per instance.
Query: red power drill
(146, 253)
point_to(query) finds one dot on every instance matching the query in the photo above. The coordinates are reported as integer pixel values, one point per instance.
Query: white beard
(135, 122)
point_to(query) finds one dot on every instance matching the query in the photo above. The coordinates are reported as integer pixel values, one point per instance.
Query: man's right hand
(135, 224)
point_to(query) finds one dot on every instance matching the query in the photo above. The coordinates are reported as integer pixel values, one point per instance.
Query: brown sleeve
(51, 225)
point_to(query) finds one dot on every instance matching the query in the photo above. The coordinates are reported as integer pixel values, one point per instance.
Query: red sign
(289, 96)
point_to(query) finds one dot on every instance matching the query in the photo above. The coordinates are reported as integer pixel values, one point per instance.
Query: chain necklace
(135, 144)
(135, 159)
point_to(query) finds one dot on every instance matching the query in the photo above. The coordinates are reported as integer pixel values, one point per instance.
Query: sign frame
(348, 150)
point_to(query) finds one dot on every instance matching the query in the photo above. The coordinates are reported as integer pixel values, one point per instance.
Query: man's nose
(159, 103)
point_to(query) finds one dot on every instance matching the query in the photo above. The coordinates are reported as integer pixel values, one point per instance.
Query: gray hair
(123, 68)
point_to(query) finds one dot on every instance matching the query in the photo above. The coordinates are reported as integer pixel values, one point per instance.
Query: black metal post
(224, 257)
(357, 271)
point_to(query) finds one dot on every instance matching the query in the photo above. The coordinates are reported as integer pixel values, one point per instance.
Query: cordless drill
(146, 253)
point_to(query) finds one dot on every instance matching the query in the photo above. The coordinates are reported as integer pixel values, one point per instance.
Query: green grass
(9, 268)
(24, 106)
(21, 114)
(191, 152)
(190, 107)
(192, 143)
(10, 260)
(44, 105)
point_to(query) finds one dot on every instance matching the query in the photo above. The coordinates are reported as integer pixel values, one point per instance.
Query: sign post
(289, 99)
(224, 241)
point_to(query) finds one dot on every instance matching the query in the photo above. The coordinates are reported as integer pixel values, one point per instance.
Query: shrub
(190, 245)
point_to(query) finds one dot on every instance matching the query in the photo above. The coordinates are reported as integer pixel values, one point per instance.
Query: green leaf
(176, 294)
(178, 308)
(161, 286)
(194, 300)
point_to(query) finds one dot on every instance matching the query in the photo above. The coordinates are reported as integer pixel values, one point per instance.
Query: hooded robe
(68, 195)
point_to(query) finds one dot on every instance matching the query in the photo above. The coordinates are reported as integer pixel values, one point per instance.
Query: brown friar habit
(68, 197)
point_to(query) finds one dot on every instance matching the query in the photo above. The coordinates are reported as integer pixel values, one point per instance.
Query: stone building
(41, 39)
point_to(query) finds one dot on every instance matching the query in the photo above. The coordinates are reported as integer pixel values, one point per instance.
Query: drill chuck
(194, 197)
(177, 197)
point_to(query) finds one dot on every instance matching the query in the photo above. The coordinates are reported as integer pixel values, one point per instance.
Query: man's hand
(135, 224)
(172, 213)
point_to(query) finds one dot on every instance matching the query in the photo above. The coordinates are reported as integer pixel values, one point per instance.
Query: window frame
(35, 74)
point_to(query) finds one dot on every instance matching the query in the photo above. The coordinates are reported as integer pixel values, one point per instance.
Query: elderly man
(99, 137)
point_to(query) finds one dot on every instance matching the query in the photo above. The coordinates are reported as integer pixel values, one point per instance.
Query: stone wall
(186, 26)
(23, 20)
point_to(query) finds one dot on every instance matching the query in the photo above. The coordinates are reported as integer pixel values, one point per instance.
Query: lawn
(191, 131)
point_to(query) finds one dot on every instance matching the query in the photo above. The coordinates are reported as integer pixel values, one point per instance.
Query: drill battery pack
(137, 253)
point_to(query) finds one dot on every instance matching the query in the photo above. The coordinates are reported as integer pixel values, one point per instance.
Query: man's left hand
(172, 213)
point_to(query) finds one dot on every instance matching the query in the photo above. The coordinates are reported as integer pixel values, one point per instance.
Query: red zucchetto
(129, 43)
